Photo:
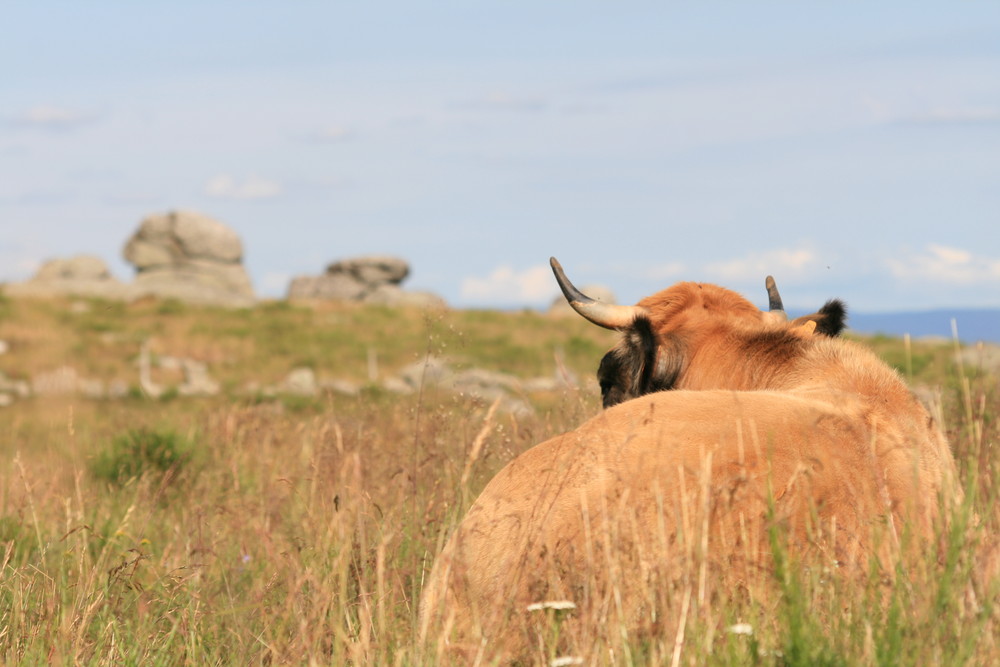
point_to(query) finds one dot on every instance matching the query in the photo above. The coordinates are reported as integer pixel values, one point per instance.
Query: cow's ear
(806, 329)
(830, 320)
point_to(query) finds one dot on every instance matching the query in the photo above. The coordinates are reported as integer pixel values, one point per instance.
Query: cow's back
(598, 515)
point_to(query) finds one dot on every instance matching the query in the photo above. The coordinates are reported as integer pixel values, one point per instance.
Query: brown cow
(725, 426)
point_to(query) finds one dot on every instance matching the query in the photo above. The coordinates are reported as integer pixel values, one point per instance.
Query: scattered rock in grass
(555, 382)
(118, 389)
(91, 388)
(302, 381)
(17, 388)
(67, 381)
(299, 382)
(342, 387)
(397, 385)
(476, 384)
(197, 381)
(428, 371)
(194, 376)
(146, 383)
(487, 385)
(60, 381)
(11, 390)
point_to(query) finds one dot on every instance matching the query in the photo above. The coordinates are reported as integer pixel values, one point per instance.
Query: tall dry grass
(302, 533)
(292, 537)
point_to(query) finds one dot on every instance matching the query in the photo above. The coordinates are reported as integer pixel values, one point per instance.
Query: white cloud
(49, 117)
(333, 134)
(957, 116)
(944, 264)
(253, 187)
(505, 285)
(784, 261)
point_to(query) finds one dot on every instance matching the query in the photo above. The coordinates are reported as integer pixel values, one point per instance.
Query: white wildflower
(740, 629)
(557, 605)
(564, 661)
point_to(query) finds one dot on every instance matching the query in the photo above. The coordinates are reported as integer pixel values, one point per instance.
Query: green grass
(248, 530)
(264, 343)
(143, 452)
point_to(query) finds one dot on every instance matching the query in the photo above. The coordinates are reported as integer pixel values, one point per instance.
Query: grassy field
(254, 529)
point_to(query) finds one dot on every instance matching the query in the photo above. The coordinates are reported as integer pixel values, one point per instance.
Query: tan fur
(812, 435)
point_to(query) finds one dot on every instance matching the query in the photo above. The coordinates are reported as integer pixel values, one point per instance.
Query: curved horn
(774, 299)
(607, 315)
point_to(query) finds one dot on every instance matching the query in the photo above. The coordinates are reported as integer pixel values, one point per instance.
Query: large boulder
(334, 287)
(80, 267)
(372, 269)
(81, 275)
(370, 279)
(190, 257)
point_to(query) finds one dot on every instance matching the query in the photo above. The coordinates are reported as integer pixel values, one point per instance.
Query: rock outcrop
(81, 275)
(369, 279)
(190, 257)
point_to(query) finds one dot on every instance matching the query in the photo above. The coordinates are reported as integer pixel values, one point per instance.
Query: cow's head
(692, 335)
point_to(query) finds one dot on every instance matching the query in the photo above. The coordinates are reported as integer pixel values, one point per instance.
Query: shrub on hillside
(143, 451)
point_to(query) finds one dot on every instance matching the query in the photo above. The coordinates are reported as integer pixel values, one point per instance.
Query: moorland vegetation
(249, 528)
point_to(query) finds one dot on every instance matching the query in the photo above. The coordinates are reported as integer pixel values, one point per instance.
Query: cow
(727, 430)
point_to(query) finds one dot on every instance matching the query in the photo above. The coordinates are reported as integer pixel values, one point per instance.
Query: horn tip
(769, 282)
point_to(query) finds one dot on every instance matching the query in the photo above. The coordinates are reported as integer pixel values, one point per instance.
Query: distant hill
(974, 324)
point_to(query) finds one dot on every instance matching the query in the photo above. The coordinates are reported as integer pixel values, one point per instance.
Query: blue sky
(849, 150)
